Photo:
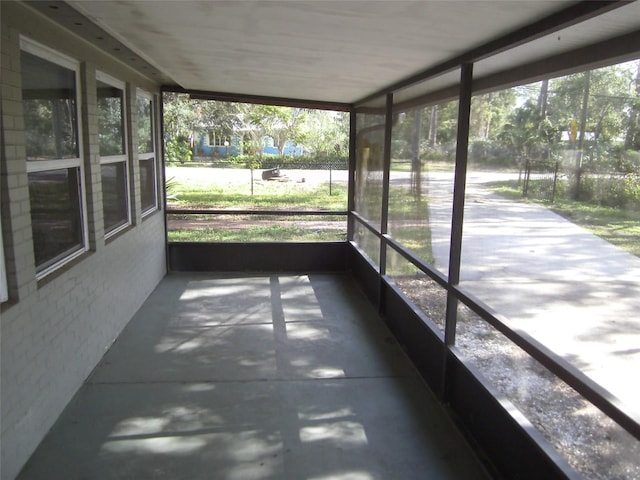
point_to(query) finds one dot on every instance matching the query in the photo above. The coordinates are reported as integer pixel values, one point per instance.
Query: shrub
(631, 190)
(615, 191)
(486, 152)
(178, 150)
(629, 162)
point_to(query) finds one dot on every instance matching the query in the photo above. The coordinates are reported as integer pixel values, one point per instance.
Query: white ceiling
(338, 51)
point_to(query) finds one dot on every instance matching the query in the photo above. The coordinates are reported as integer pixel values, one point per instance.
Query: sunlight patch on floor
(343, 433)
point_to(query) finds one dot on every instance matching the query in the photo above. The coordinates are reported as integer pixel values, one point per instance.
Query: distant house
(212, 144)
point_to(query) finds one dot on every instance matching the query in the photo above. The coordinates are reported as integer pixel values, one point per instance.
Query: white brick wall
(53, 333)
(52, 339)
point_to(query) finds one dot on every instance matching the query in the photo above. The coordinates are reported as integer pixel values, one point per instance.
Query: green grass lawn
(266, 233)
(317, 198)
(206, 188)
(268, 195)
(619, 227)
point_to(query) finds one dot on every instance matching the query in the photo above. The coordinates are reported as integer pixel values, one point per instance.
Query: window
(423, 145)
(146, 153)
(370, 139)
(287, 194)
(216, 139)
(113, 154)
(54, 166)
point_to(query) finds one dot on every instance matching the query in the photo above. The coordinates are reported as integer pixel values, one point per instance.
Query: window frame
(120, 158)
(152, 155)
(35, 166)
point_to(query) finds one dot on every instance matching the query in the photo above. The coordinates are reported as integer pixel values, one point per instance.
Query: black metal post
(351, 191)
(459, 186)
(386, 167)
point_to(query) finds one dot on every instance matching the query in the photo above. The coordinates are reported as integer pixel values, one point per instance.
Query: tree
(180, 116)
(443, 124)
(543, 98)
(632, 136)
(326, 133)
(527, 131)
(490, 112)
(604, 112)
(216, 116)
(251, 121)
(284, 124)
(180, 123)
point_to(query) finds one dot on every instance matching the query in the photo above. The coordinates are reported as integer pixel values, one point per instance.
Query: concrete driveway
(574, 292)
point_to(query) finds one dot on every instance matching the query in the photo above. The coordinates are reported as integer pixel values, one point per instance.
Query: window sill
(150, 213)
(117, 234)
(63, 269)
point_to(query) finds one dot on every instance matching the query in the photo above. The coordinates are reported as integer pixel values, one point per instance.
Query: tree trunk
(433, 126)
(583, 113)
(632, 138)
(581, 134)
(542, 98)
(489, 116)
(416, 164)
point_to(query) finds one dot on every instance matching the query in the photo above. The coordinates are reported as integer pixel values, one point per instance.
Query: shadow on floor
(254, 377)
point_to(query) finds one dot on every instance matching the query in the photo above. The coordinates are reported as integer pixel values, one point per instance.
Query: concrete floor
(254, 377)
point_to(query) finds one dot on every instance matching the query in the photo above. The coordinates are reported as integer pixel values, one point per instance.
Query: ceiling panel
(337, 51)
(625, 19)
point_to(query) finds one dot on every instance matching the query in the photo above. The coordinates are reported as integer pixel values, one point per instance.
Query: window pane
(148, 183)
(49, 102)
(145, 126)
(255, 157)
(114, 195)
(561, 264)
(593, 444)
(56, 214)
(421, 180)
(110, 119)
(370, 134)
(368, 242)
(425, 293)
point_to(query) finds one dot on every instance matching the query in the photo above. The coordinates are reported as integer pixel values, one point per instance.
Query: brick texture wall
(53, 332)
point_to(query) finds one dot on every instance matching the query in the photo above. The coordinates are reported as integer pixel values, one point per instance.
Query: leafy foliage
(178, 149)
(253, 127)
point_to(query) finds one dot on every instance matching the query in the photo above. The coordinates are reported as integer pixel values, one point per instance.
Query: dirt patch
(241, 224)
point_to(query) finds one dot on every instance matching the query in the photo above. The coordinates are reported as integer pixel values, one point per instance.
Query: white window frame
(149, 155)
(123, 158)
(53, 56)
(211, 138)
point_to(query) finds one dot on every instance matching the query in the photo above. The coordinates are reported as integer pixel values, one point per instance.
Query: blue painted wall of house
(202, 149)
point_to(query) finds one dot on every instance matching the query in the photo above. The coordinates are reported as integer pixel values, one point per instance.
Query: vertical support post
(384, 214)
(351, 190)
(459, 186)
